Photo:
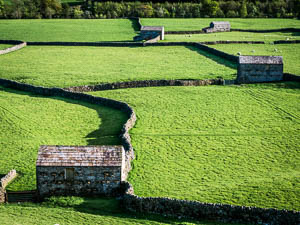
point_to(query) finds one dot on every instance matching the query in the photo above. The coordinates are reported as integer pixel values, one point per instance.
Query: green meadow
(234, 36)
(75, 30)
(28, 121)
(289, 52)
(219, 144)
(176, 24)
(74, 66)
(3, 46)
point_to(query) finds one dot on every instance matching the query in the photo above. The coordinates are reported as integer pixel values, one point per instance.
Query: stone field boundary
(18, 45)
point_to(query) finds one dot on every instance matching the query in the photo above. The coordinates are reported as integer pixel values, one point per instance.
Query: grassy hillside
(234, 36)
(67, 30)
(28, 121)
(290, 53)
(73, 66)
(232, 144)
(237, 23)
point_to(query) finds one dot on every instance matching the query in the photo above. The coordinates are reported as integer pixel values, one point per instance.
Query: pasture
(218, 144)
(233, 36)
(236, 145)
(67, 30)
(3, 46)
(74, 66)
(290, 53)
(28, 121)
(177, 24)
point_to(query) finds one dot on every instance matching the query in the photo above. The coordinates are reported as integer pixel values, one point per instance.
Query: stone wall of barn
(256, 73)
(51, 180)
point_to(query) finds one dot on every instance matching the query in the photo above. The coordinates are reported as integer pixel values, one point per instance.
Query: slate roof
(220, 23)
(260, 60)
(152, 28)
(54, 155)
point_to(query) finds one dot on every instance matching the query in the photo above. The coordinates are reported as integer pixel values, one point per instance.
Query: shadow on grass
(134, 24)
(215, 58)
(110, 127)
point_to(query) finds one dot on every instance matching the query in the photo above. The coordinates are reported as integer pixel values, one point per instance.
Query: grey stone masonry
(256, 69)
(159, 29)
(79, 170)
(220, 26)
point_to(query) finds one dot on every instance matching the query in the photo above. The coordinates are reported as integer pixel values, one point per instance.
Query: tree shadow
(112, 120)
(215, 58)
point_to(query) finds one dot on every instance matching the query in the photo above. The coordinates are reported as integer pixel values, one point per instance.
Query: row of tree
(203, 8)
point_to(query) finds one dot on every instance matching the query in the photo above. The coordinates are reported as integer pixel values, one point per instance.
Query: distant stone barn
(255, 69)
(221, 26)
(79, 170)
(158, 29)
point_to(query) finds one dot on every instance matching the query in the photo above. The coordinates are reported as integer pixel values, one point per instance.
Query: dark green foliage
(148, 9)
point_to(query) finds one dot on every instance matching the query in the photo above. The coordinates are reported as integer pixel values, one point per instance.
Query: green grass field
(218, 144)
(73, 66)
(28, 121)
(3, 46)
(67, 30)
(176, 24)
(290, 53)
(233, 36)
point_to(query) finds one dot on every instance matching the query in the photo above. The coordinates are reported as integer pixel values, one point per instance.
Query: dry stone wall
(18, 45)
(4, 182)
(125, 137)
(197, 210)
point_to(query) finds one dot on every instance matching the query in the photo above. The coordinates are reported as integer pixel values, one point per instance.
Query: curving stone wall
(125, 137)
(197, 210)
(4, 182)
(18, 45)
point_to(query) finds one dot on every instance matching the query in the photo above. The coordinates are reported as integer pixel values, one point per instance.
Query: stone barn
(158, 29)
(221, 26)
(79, 170)
(255, 69)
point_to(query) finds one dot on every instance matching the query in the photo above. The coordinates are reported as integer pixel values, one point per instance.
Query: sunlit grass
(92, 30)
(236, 145)
(73, 66)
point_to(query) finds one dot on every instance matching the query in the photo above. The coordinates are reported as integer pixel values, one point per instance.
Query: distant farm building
(79, 170)
(155, 29)
(254, 69)
(221, 26)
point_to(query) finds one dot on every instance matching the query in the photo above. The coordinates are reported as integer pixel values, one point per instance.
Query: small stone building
(220, 26)
(254, 69)
(79, 170)
(158, 29)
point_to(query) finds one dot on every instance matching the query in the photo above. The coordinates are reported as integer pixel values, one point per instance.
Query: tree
(48, 8)
(243, 10)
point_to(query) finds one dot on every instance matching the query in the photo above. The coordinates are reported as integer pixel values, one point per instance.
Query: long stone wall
(197, 210)
(287, 42)
(268, 31)
(144, 83)
(18, 45)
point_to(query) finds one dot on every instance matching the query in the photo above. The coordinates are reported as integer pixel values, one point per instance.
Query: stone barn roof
(53, 155)
(260, 60)
(220, 23)
(152, 28)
